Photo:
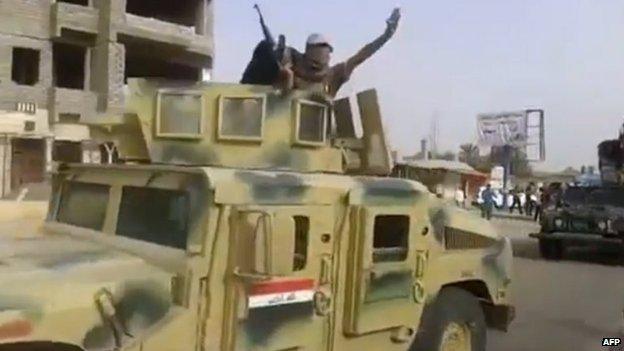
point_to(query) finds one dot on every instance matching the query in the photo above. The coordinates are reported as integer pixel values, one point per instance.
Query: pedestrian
(460, 197)
(515, 193)
(539, 197)
(488, 202)
(529, 199)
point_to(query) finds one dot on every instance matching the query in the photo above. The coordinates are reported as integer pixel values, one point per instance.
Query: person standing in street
(488, 202)
(460, 197)
(529, 201)
(515, 193)
(539, 196)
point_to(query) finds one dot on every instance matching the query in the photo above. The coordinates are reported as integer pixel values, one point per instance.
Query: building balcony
(72, 17)
(165, 32)
(70, 132)
(72, 102)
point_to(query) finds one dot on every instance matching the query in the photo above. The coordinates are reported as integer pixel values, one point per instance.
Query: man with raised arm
(312, 69)
(289, 69)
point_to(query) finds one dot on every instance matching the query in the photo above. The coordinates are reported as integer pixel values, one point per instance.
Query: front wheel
(551, 249)
(455, 322)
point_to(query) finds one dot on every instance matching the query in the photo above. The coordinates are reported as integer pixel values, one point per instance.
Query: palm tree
(469, 153)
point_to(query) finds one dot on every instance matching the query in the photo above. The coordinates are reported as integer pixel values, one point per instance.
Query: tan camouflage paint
(171, 299)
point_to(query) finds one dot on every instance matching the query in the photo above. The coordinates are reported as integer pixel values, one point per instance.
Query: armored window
(179, 115)
(241, 118)
(311, 123)
(25, 66)
(83, 205)
(390, 238)
(159, 216)
(302, 234)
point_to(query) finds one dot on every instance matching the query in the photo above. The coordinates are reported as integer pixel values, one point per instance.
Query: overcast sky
(457, 58)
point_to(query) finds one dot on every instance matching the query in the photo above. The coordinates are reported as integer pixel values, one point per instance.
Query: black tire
(453, 305)
(551, 249)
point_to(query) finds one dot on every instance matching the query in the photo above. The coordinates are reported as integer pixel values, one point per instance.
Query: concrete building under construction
(65, 62)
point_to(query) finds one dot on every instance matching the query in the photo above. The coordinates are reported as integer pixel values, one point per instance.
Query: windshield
(611, 197)
(163, 213)
(575, 196)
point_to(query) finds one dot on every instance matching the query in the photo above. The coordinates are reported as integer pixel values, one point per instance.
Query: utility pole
(434, 132)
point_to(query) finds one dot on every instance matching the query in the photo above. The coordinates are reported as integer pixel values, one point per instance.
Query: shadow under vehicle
(244, 219)
(583, 216)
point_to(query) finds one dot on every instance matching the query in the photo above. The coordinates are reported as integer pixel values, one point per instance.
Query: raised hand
(393, 21)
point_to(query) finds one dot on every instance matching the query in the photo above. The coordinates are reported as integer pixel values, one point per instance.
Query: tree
(447, 155)
(469, 153)
(519, 163)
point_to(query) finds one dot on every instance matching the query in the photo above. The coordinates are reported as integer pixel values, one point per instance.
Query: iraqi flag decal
(281, 292)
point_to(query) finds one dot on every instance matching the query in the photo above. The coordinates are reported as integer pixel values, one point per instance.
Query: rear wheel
(551, 249)
(454, 322)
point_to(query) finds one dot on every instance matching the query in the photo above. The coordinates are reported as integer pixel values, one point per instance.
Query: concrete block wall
(36, 23)
(10, 92)
(27, 18)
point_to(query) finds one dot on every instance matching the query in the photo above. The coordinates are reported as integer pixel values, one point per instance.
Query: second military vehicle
(583, 216)
(243, 219)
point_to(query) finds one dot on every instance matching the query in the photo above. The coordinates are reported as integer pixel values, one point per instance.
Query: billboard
(501, 129)
(523, 130)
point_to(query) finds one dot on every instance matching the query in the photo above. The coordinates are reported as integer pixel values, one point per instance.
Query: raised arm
(369, 49)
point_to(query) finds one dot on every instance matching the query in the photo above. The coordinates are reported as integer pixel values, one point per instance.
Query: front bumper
(498, 317)
(581, 238)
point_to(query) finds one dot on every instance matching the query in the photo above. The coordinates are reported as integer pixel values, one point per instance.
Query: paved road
(561, 306)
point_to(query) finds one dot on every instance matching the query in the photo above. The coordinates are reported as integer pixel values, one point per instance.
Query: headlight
(602, 225)
(559, 223)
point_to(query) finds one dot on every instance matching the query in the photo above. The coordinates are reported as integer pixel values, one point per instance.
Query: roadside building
(65, 62)
(444, 177)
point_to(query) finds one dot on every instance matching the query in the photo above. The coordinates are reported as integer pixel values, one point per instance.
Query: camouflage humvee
(584, 216)
(243, 219)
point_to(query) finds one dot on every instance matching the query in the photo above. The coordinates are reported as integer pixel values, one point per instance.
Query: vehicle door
(279, 290)
(385, 274)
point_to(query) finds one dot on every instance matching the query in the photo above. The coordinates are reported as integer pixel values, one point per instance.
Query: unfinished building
(65, 62)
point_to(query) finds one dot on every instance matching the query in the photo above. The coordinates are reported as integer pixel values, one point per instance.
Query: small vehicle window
(391, 238)
(83, 205)
(180, 115)
(302, 234)
(159, 216)
(241, 118)
(311, 123)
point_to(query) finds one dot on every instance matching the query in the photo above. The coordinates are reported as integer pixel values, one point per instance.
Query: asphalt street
(569, 305)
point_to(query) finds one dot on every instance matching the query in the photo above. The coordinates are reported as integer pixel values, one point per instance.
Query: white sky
(460, 58)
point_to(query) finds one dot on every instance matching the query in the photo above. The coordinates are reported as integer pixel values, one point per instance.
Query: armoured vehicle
(583, 216)
(245, 219)
(610, 160)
